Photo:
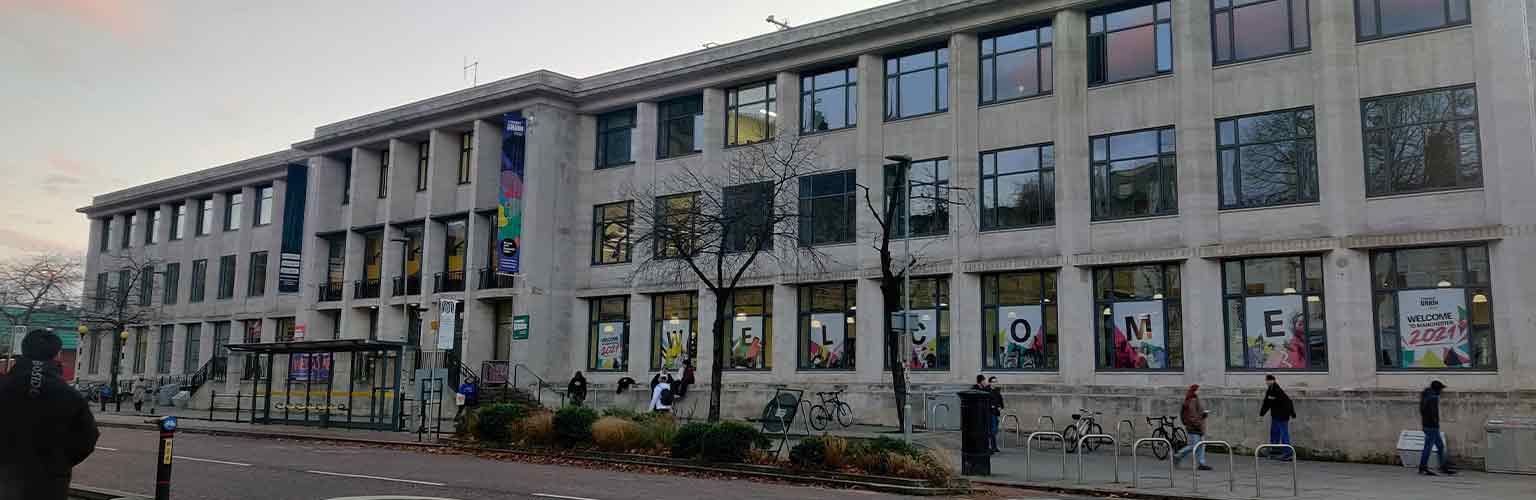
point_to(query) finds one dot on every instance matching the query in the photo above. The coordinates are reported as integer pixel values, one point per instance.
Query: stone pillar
(1203, 328)
(788, 104)
(1074, 284)
(362, 205)
(786, 332)
(442, 170)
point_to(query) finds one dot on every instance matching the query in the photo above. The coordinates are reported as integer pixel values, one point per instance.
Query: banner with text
(1432, 326)
(747, 342)
(610, 346)
(1140, 341)
(827, 335)
(1274, 331)
(1021, 339)
(509, 212)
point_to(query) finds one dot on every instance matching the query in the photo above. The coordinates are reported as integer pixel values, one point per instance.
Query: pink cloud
(18, 241)
(65, 165)
(118, 16)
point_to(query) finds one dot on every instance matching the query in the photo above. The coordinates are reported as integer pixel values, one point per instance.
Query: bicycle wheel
(1180, 439)
(1069, 438)
(1160, 450)
(1093, 444)
(844, 414)
(819, 417)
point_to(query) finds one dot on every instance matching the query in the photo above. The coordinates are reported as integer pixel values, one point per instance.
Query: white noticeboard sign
(447, 319)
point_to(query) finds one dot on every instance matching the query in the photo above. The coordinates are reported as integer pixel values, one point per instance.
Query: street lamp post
(117, 356)
(904, 165)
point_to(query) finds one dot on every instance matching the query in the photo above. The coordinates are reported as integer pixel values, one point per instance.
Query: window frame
(1470, 290)
(191, 349)
(227, 264)
(1157, 7)
(658, 309)
(466, 156)
(594, 320)
(1237, 146)
(661, 246)
(152, 226)
(1365, 132)
(383, 188)
(941, 295)
(165, 345)
(264, 199)
(1445, 7)
(1050, 288)
(604, 159)
(600, 223)
(941, 75)
(1109, 158)
(171, 289)
(898, 228)
(808, 91)
(423, 165)
(234, 201)
(1306, 294)
(733, 107)
(665, 116)
(141, 349)
(740, 207)
(178, 221)
(256, 280)
(130, 223)
(807, 198)
(1232, 33)
(199, 290)
(146, 285)
(1045, 79)
(1168, 304)
(1041, 170)
(766, 335)
(803, 313)
(105, 243)
(205, 216)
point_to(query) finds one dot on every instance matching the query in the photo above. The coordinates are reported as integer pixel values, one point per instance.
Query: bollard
(1258, 482)
(975, 426)
(163, 463)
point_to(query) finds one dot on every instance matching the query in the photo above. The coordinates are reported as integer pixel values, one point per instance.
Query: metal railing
(1231, 464)
(931, 411)
(406, 285)
(539, 384)
(1258, 482)
(1113, 445)
(492, 280)
(1136, 471)
(1029, 451)
(330, 291)
(1018, 430)
(452, 281)
(365, 289)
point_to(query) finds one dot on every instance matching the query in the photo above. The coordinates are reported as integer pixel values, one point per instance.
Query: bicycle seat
(1098, 413)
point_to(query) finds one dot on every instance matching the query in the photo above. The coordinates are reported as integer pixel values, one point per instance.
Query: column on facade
(545, 253)
(640, 331)
(786, 332)
(402, 180)
(140, 228)
(245, 238)
(442, 170)
(869, 338)
(274, 247)
(479, 315)
(706, 334)
(964, 289)
(1203, 329)
(361, 208)
(485, 169)
(167, 213)
(1074, 289)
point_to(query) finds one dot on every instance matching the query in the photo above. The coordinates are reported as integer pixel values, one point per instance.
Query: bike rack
(807, 419)
(1114, 445)
(934, 410)
(1136, 471)
(1029, 450)
(1124, 422)
(1231, 464)
(1258, 483)
(1040, 422)
(1018, 430)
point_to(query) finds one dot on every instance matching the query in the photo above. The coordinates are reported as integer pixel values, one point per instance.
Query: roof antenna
(783, 25)
(710, 45)
(471, 71)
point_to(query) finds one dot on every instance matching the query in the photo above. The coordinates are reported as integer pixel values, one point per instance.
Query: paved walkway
(194, 421)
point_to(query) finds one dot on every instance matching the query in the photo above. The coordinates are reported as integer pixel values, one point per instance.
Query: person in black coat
(1280, 409)
(46, 428)
(997, 411)
(577, 389)
(1429, 415)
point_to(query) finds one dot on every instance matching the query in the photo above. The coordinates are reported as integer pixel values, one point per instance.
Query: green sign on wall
(520, 327)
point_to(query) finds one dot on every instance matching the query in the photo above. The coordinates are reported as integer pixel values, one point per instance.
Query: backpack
(666, 396)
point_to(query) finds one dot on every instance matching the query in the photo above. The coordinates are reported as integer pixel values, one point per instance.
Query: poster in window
(925, 339)
(1275, 332)
(674, 338)
(1021, 339)
(1434, 327)
(747, 342)
(610, 346)
(827, 336)
(1140, 341)
(309, 367)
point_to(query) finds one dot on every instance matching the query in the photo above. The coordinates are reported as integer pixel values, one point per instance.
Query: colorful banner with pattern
(827, 335)
(1021, 339)
(1140, 341)
(1276, 332)
(1432, 326)
(509, 213)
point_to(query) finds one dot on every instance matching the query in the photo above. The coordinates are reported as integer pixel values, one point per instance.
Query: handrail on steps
(518, 368)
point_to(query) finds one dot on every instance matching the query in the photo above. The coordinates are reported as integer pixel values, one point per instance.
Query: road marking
(103, 448)
(563, 497)
(360, 476)
(179, 457)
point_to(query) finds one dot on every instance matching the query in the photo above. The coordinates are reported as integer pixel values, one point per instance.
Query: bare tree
(128, 297)
(33, 282)
(720, 228)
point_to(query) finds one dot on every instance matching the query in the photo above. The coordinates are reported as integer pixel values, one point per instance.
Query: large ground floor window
(1019, 321)
(1140, 322)
(1274, 313)
(928, 333)
(1433, 308)
(751, 329)
(827, 326)
(608, 334)
(674, 329)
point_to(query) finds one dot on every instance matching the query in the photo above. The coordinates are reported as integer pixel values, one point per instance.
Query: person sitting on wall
(577, 389)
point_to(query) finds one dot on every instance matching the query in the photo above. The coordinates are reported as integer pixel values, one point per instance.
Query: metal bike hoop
(1136, 471)
(807, 405)
(1029, 450)
(1231, 464)
(934, 411)
(1018, 430)
(1258, 482)
(1122, 424)
(1113, 444)
(1040, 422)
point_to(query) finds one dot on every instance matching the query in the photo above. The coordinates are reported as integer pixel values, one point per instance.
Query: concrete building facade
(1342, 198)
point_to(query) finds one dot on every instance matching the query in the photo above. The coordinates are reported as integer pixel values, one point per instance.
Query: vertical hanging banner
(447, 324)
(509, 210)
(288, 261)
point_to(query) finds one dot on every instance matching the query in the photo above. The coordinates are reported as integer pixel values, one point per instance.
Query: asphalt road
(218, 467)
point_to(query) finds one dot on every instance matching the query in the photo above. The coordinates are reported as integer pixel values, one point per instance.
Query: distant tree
(128, 300)
(34, 282)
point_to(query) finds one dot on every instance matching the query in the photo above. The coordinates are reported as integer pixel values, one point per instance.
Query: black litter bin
(975, 427)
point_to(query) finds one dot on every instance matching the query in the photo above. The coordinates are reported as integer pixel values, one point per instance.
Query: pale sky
(100, 95)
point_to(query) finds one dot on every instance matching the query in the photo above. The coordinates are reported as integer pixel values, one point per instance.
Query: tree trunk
(717, 366)
(894, 343)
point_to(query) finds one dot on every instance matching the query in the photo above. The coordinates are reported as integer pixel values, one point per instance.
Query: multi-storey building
(1163, 193)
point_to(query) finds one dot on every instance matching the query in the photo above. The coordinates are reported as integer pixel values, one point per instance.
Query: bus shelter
(348, 383)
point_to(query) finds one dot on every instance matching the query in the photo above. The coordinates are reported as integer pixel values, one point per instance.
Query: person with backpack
(1192, 413)
(1281, 411)
(46, 428)
(661, 395)
(1429, 415)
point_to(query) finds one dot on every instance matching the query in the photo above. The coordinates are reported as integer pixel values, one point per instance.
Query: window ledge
(1260, 59)
(1143, 79)
(830, 245)
(678, 157)
(914, 117)
(1399, 36)
(1134, 219)
(1016, 100)
(1236, 210)
(1415, 194)
(615, 166)
(821, 133)
(1002, 230)
(611, 264)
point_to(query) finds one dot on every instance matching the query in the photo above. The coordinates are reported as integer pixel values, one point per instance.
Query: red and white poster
(1432, 326)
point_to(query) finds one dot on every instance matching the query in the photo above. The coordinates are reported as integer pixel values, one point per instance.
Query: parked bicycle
(1083, 424)
(831, 407)
(1166, 428)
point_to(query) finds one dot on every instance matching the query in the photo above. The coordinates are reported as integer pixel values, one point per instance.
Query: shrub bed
(882, 456)
(573, 426)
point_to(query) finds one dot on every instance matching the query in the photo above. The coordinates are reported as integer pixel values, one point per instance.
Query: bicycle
(1165, 428)
(840, 411)
(1083, 424)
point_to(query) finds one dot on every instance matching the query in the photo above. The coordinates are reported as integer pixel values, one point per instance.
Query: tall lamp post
(118, 341)
(904, 165)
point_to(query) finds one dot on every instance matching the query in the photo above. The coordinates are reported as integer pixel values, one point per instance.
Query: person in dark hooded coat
(1280, 409)
(46, 428)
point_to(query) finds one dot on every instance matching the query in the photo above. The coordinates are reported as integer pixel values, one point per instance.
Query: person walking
(661, 395)
(1429, 415)
(1281, 411)
(140, 392)
(46, 429)
(577, 389)
(997, 411)
(1193, 414)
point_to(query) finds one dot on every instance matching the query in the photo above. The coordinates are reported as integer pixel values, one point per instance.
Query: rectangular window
(455, 240)
(199, 280)
(152, 233)
(105, 244)
(827, 326)
(256, 283)
(171, 288)
(681, 124)
(827, 208)
(1140, 323)
(220, 349)
(1016, 65)
(1018, 321)
(1135, 174)
(232, 202)
(253, 367)
(93, 357)
(1425, 141)
(1018, 187)
(1250, 29)
(226, 277)
(750, 115)
(146, 286)
(917, 84)
(384, 173)
(608, 334)
(286, 331)
(615, 135)
(264, 205)
(1130, 42)
(413, 242)
(929, 325)
(130, 225)
(205, 217)
(1274, 313)
(140, 349)
(927, 198)
(751, 341)
(610, 233)
(1267, 159)
(192, 352)
(466, 155)
(103, 290)
(124, 286)
(748, 217)
(346, 182)
(178, 221)
(163, 351)
(829, 100)
(1433, 308)
(423, 154)
(373, 265)
(676, 232)
(1384, 18)
(674, 329)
